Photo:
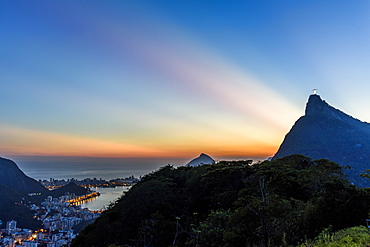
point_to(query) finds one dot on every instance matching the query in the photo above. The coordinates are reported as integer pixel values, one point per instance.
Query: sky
(173, 79)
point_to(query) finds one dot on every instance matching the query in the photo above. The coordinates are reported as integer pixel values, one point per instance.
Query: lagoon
(107, 196)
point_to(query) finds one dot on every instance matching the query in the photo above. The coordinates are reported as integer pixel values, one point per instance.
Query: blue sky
(174, 78)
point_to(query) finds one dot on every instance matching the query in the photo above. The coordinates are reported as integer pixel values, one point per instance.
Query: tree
(231, 204)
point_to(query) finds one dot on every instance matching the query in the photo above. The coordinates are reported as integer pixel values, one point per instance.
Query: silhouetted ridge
(12, 176)
(69, 188)
(15, 185)
(316, 106)
(325, 132)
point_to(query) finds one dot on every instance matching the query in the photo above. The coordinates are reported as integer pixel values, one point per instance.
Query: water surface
(107, 196)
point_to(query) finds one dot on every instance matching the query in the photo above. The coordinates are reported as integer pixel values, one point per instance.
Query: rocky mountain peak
(325, 132)
(203, 159)
(316, 105)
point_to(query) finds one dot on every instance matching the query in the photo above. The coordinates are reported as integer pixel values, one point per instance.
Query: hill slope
(12, 209)
(231, 203)
(12, 176)
(327, 133)
(69, 188)
(15, 187)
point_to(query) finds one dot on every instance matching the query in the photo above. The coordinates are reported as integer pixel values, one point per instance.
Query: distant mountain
(203, 159)
(327, 133)
(15, 187)
(69, 188)
(12, 176)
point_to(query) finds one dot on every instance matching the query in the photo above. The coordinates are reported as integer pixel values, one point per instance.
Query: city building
(11, 227)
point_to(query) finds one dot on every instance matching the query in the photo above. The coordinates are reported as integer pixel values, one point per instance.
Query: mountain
(69, 188)
(325, 132)
(14, 188)
(12, 209)
(203, 159)
(12, 176)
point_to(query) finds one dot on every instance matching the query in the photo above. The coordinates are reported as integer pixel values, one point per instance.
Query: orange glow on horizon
(27, 142)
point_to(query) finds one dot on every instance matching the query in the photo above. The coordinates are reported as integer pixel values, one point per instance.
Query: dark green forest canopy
(232, 203)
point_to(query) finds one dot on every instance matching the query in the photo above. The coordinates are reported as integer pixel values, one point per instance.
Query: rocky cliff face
(327, 133)
(12, 176)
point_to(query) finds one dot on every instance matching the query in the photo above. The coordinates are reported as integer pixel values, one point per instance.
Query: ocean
(79, 168)
(44, 168)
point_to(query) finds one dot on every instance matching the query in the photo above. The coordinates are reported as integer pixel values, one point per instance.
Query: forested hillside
(12, 209)
(232, 203)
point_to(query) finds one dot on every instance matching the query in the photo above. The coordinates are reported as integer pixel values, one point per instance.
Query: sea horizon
(44, 168)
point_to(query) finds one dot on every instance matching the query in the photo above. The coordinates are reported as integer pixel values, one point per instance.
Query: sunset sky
(174, 78)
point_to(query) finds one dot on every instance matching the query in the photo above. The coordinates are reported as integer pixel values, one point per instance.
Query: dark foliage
(232, 203)
(12, 209)
(12, 176)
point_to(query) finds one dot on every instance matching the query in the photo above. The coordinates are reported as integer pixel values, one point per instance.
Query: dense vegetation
(232, 203)
(12, 209)
(357, 236)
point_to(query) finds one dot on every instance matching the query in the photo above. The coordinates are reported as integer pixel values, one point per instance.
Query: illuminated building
(11, 227)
